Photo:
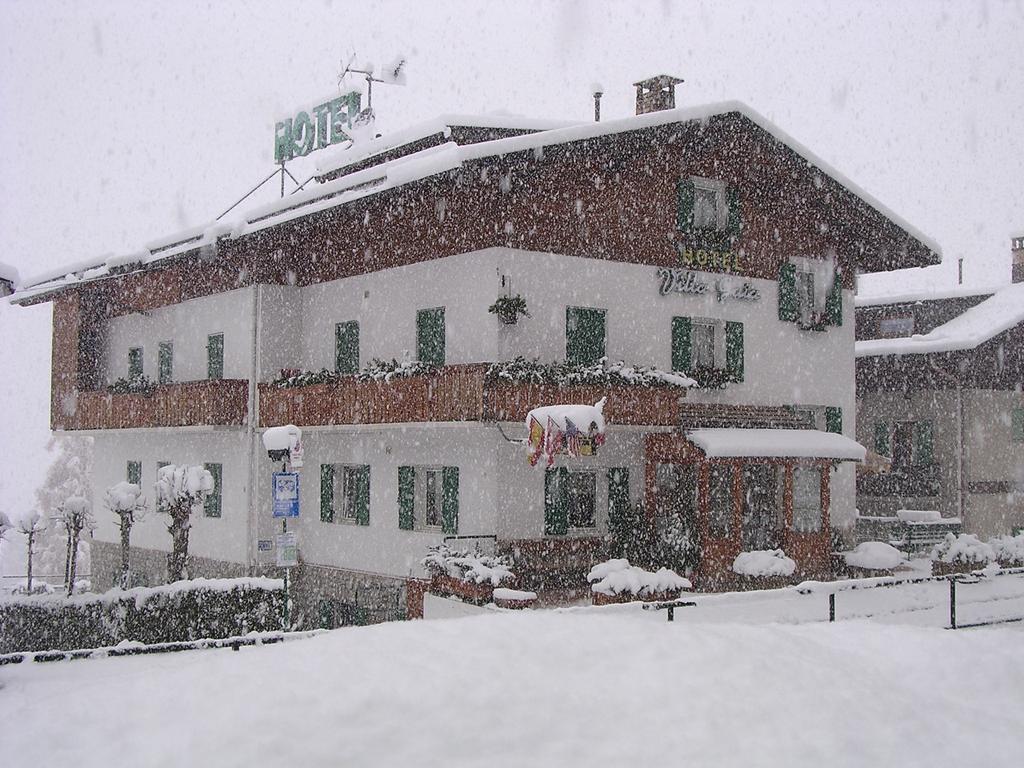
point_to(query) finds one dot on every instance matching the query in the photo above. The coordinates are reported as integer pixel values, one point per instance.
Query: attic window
(710, 208)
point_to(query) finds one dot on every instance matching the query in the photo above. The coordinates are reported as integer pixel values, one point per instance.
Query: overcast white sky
(121, 122)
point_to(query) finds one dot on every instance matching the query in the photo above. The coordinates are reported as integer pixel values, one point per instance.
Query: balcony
(904, 482)
(221, 402)
(455, 393)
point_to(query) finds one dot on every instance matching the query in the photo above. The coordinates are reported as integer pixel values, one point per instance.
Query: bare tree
(126, 501)
(179, 490)
(5, 526)
(31, 525)
(76, 515)
(68, 475)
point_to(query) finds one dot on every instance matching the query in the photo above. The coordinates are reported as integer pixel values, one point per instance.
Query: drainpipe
(960, 450)
(252, 526)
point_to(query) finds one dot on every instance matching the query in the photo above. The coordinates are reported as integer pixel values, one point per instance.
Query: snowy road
(585, 687)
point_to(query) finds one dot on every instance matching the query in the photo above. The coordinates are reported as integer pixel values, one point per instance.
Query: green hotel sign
(317, 128)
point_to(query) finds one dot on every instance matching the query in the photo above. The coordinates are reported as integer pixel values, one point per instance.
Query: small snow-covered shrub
(875, 555)
(616, 577)
(139, 384)
(470, 567)
(604, 373)
(1009, 550)
(508, 308)
(965, 549)
(764, 562)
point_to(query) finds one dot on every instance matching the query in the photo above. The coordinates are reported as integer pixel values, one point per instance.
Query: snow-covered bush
(965, 549)
(375, 370)
(875, 555)
(179, 490)
(616, 577)
(138, 384)
(470, 567)
(508, 308)
(524, 371)
(764, 562)
(1009, 550)
(677, 546)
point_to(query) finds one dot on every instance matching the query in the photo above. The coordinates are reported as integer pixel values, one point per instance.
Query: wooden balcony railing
(455, 393)
(186, 404)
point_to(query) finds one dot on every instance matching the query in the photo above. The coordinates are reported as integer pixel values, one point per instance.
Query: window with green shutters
(584, 335)
(570, 500)
(428, 498)
(215, 356)
(882, 444)
(1017, 425)
(135, 472)
(797, 299)
(834, 302)
(923, 454)
(165, 362)
(789, 307)
(345, 493)
(430, 336)
(695, 349)
(681, 347)
(708, 210)
(834, 419)
(346, 347)
(212, 505)
(734, 349)
(134, 362)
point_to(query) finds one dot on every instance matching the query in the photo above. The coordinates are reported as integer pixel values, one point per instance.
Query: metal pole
(282, 178)
(952, 603)
(284, 520)
(832, 607)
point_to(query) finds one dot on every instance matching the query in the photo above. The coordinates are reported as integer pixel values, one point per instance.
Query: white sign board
(287, 550)
(295, 460)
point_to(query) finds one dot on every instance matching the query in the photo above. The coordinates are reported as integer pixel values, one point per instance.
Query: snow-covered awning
(776, 443)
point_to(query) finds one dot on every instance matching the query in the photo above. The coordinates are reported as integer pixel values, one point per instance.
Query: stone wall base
(148, 567)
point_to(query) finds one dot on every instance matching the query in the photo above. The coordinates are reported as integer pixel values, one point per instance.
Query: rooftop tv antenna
(393, 74)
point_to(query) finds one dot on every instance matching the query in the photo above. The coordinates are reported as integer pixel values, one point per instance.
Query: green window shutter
(212, 505)
(215, 356)
(618, 497)
(882, 438)
(734, 349)
(135, 361)
(834, 301)
(735, 226)
(556, 508)
(834, 419)
(363, 496)
(789, 309)
(450, 500)
(406, 497)
(346, 347)
(135, 472)
(1017, 425)
(682, 328)
(684, 205)
(584, 335)
(923, 443)
(165, 367)
(430, 336)
(327, 493)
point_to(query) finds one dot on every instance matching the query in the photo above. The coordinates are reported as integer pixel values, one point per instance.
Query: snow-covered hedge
(471, 567)
(1009, 550)
(965, 549)
(875, 555)
(764, 562)
(615, 577)
(521, 370)
(375, 370)
(184, 610)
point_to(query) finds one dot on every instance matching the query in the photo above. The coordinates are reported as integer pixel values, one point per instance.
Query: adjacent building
(939, 392)
(700, 241)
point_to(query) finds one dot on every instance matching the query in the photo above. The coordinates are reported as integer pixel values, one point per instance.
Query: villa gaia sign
(675, 280)
(316, 128)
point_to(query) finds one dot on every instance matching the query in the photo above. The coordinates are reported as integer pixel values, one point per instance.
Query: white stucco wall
(187, 324)
(223, 538)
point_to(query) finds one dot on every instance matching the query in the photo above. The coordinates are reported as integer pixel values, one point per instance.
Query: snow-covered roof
(339, 157)
(780, 443)
(996, 314)
(912, 297)
(436, 160)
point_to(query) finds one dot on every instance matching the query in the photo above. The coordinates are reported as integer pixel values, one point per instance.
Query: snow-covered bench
(670, 606)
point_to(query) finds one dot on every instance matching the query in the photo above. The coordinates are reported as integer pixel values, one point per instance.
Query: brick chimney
(656, 93)
(1017, 249)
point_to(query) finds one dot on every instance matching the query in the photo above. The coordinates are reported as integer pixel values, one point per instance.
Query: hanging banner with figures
(572, 430)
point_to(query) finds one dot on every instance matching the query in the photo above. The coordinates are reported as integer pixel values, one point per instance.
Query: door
(761, 507)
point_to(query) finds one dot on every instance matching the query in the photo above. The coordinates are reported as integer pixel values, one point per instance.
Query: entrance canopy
(776, 443)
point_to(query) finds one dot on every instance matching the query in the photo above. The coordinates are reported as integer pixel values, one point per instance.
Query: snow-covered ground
(722, 685)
